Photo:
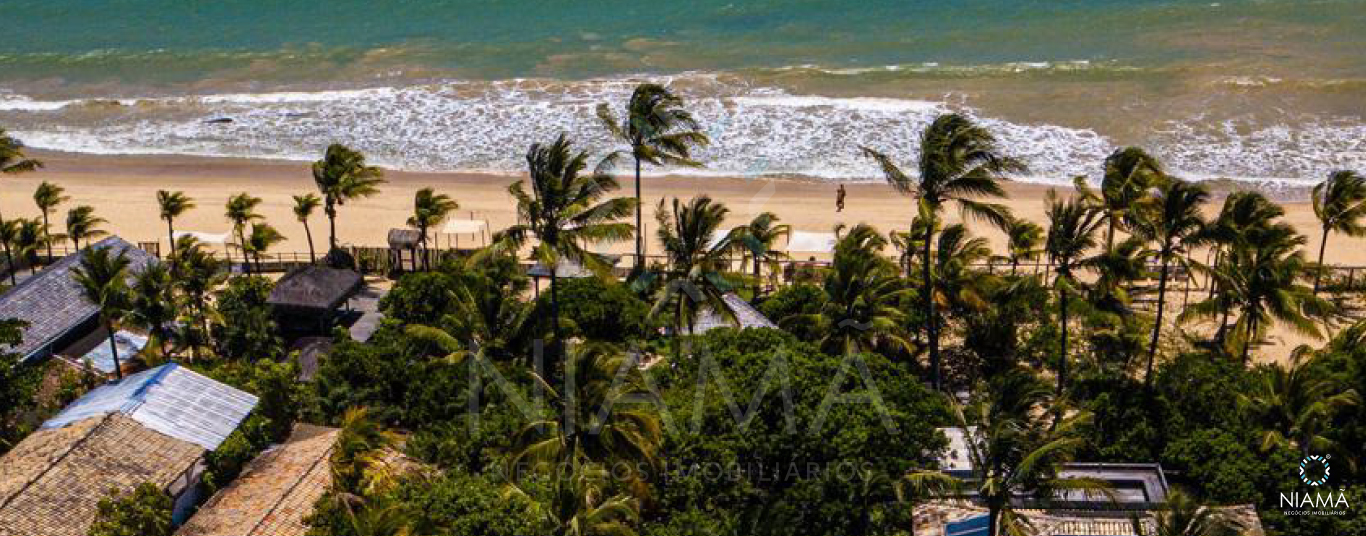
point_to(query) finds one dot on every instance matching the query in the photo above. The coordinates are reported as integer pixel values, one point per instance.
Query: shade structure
(811, 242)
(203, 237)
(464, 226)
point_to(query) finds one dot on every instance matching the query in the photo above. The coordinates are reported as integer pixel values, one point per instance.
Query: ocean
(1270, 91)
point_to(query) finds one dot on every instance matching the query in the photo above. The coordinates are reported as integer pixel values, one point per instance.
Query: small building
(274, 493)
(746, 317)
(307, 298)
(154, 426)
(401, 241)
(55, 308)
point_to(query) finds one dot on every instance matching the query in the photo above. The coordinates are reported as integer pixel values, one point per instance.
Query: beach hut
(154, 426)
(308, 298)
(400, 241)
(52, 304)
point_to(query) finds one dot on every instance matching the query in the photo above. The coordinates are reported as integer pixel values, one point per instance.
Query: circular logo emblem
(1309, 462)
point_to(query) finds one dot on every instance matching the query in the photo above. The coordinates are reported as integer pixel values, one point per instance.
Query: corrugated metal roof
(746, 316)
(170, 399)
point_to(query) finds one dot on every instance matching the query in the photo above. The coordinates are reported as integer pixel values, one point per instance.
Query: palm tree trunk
(1323, 245)
(932, 330)
(993, 517)
(555, 311)
(47, 237)
(9, 257)
(640, 236)
(113, 348)
(331, 211)
(1247, 342)
(170, 237)
(757, 283)
(1062, 359)
(1110, 233)
(308, 234)
(1157, 325)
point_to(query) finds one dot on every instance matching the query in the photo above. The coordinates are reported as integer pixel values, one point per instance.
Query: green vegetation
(144, 512)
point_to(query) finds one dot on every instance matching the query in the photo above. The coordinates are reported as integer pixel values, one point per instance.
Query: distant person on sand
(839, 199)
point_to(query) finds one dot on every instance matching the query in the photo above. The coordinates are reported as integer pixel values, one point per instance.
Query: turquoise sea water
(1253, 89)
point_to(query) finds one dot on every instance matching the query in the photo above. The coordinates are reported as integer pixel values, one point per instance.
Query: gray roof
(170, 399)
(570, 269)
(315, 287)
(404, 238)
(746, 316)
(52, 302)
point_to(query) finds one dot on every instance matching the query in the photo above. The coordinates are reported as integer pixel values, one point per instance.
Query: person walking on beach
(839, 199)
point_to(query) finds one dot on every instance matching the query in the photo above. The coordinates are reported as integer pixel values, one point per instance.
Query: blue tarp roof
(170, 399)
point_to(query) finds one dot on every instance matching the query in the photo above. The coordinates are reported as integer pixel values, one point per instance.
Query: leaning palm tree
(659, 132)
(153, 303)
(696, 278)
(172, 205)
(429, 209)
(1241, 213)
(959, 160)
(1129, 173)
(262, 238)
(103, 278)
(48, 197)
(1175, 225)
(1023, 238)
(241, 210)
(1184, 516)
(1295, 404)
(13, 162)
(758, 239)
(26, 236)
(1339, 204)
(304, 205)
(83, 224)
(565, 213)
(9, 235)
(342, 175)
(1072, 225)
(197, 273)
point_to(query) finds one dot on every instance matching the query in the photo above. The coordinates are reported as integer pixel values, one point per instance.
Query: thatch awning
(315, 288)
(404, 238)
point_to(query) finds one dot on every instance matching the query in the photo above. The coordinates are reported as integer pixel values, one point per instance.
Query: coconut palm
(13, 162)
(48, 197)
(83, 224)
(578, 504)
(863, 293)
(959, 160)
(1242, 211)
(565, 212)
(918, 485)
(429, 209)
(1129, 173)
(961, 288)
(241, 210)
(304, 205)
(1174, 223)
(153, 303)
(758, 239)
(172, 205)
(197, 273)
(25, 235)
(342, 176)
(1072, 225)
(1184, 516)
(1023, 238)
(358, 455)
(696, 278)
(489, 319)
(1339, 204)
(103, 278)
(262, 238)
(1294, 404)
(659, 132)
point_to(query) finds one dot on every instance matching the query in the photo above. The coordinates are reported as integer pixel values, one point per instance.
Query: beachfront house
(274, 493)
(60, 320)
(308, 299)
(154, 426)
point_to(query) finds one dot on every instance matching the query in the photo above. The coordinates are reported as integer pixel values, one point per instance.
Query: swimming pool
(129, 345)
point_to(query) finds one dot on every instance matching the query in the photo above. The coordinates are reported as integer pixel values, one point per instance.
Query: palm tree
(959, 160)
(153, 302)
(1072, 224)
(863, 293)
(241, 210)
(1129, 173)
(429, 209)
(1339, 204)
(304, 205)
(173, 205)
(9, 234)
(48, 196)
(358, 450)
(696, 277)
(489, 317)
(262, 238)
(564, 213)
(918, 485)
(103, 278)
(1183, 516)
(1174, 223)
(1295, 404)
(197, 273)
(759, 239)
(341, 176)
(13, 162)
(961, 288)
(82, 223)
(659, 131)
(1242, 212)
(579, 505)
(26, 236)
(1023, 238)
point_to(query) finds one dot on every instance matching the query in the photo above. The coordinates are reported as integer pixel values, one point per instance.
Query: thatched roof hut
(314, 289)
(404, 238)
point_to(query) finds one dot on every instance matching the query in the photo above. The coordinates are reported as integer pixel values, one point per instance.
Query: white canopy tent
(204, 238)
(811, 242)
(454, 228)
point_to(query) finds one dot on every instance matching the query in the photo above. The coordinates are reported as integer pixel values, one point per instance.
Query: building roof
(746, 316)
(51, 482)
(811, 242)
(315, 287)
(275, 492)
(170, 399)
(404, 238)
(51, 301)
(568, 269)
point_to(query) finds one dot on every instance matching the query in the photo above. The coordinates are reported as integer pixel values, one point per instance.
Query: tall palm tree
(262, 238)
(1175, 225)
(1339, 204)
(1295, 404)
(48, 197)
(9, 234)
(342, 176)
(565, 213)
(429, 209)
(172, 205)
(578, 504)
(1129, 173)
(489, 319)
(863, 294)
(83, 224)
(103, 278)
(758, 239)
(241, 210)
(197, 273)
(696, 277)
(1242, 212)
(13, 162)
(304, 205)
(1023, 238)
(959, 160)
(1072, 225)
(659, 131)
(961, 288)
(153, 302)
(26, 236)
(1184, 516)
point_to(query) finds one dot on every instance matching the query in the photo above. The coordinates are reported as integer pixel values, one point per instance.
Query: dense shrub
(793, 300)
(246, 328)
(144, 512)
(420, 298)
(599, 310)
